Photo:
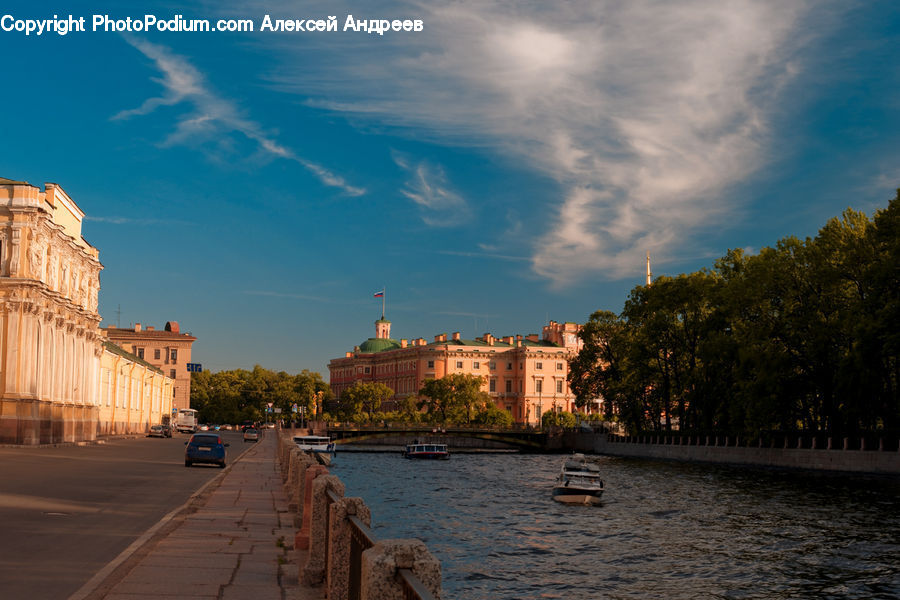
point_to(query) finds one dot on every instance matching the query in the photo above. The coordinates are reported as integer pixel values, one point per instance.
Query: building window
(509, 386)
(156, 354)
(539, 386)
(539, 366)
(492, 366)
(172, 373)
(559, 366)
(476, 365)
(509, 366)
(459, 364)
(140, 353)
(559, 386)
(174, 357)
(367, 370)
(430, 364)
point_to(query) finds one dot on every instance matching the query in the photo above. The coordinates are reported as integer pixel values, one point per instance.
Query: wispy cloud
(211, 115)
(128, 220)
(494, 255)
(429, 188)
(645, 113)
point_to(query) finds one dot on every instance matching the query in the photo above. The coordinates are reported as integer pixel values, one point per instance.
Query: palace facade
(51, 344)
(525, 375)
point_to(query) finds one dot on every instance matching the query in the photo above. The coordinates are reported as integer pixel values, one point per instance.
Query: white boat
(427, 451)
(579, 482)
(314, 443)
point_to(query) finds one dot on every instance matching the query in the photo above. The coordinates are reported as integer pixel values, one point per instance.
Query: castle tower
(382, 329)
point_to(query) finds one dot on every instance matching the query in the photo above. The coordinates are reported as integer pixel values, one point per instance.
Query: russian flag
(379, 294)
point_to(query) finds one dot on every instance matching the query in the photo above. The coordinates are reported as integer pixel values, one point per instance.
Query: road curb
(99, 580)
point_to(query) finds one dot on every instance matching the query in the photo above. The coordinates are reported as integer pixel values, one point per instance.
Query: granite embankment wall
(341, 553)
(730, 451)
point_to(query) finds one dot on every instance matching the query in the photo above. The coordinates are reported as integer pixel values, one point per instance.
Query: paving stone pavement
(236, 543)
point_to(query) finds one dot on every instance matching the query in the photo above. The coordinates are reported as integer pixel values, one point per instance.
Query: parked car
(157, 431)
(251, 435)
(205, 448)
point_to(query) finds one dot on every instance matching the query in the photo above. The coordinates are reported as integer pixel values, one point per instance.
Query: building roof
(5, 181)
(373, 345)
(123, 333)
(132, 357)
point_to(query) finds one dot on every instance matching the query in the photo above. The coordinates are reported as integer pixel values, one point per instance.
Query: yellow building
(133, 394)
(525, 375)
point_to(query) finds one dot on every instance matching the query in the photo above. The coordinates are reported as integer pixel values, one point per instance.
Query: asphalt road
(66, 512)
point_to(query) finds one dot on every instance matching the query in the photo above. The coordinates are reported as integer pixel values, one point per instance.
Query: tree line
(240, 395)
(804, 335)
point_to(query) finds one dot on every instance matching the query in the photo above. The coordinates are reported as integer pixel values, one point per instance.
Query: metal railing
(361, 539)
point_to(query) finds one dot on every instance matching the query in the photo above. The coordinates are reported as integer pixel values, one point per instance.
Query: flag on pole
(379, 294)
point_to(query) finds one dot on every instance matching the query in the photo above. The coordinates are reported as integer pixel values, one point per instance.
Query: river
(664, 530)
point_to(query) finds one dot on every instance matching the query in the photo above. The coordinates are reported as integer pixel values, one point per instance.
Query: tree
(455, 397)
(365, 398)
(553, 418)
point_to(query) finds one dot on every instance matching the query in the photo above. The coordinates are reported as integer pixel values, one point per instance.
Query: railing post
(337, 578)
(301, 541)
(314, 571)
(381, 562)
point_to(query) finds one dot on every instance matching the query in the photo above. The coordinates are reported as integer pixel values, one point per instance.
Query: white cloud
(431, 191)
(644, 112)
(211, 115)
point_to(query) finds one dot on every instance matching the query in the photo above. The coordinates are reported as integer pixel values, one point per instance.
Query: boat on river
(314, 443)
(427, 451)
(578, 482)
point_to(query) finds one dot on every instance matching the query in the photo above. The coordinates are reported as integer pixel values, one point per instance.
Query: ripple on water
(664, 530)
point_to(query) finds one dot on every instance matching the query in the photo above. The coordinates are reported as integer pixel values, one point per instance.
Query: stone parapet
(342, 552)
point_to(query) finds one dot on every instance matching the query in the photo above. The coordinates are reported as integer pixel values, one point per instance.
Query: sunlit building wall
(525, 375)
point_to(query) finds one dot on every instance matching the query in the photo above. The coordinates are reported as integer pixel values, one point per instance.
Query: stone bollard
(379, 569)
(313, 573)
(299, 492)
(830, 443)
(301, 540)
(846, 443)
(337, 579)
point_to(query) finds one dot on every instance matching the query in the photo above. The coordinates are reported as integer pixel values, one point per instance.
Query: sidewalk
(232, 542)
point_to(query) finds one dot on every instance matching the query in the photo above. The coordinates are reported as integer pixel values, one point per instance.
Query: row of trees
(241, 395)
(454, 399)
(804, 335)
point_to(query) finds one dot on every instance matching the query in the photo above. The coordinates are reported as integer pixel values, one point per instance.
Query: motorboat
(314, 443)
(579, 482)
(426, 450)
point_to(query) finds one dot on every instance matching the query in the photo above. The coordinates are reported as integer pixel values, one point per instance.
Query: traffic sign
(194, 368)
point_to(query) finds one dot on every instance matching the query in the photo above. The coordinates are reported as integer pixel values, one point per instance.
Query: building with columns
(50, 343)
(52, 351)
(525, 375)
(166, 349)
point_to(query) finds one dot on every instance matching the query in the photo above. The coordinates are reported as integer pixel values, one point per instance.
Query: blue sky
(511, 163)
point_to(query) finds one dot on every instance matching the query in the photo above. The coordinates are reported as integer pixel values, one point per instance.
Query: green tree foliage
(455, 398)
(553, 418)
(241, 395)
(364, 399)
(803, 335)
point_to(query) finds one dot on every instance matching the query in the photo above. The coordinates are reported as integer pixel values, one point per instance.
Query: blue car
(205, 448)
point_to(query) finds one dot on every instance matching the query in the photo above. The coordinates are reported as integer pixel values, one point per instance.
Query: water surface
(664, 530)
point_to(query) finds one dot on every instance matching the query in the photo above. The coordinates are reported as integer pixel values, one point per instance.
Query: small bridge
(524, 440)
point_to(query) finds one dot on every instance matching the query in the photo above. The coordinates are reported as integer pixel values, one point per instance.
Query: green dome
(378, 345)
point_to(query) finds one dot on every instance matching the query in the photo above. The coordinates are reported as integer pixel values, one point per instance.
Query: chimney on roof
(456, 336)
(348, 354)
(150, 328)
(532, 337)
(441, 337)
(403, 343)
(137, 327)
